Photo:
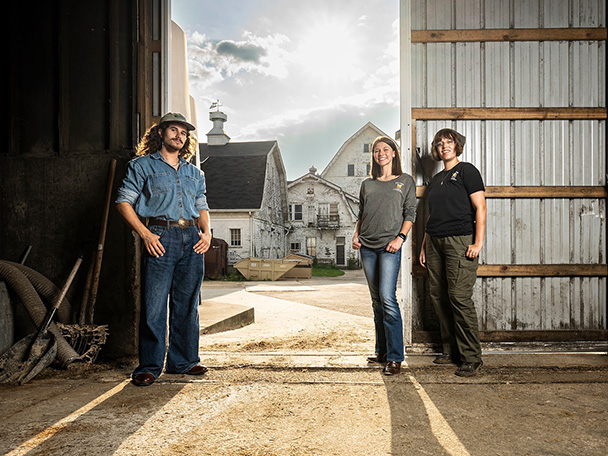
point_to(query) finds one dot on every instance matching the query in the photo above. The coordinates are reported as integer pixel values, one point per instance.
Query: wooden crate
(263, 269)
(303, 270)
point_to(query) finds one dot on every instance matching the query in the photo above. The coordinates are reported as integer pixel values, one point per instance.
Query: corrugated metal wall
(558, 150)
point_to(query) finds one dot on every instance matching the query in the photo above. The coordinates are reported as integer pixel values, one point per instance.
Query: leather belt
(181, 223)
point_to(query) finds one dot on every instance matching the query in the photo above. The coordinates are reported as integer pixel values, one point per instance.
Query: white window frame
(293, 213)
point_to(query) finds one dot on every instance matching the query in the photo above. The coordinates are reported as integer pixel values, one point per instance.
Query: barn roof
(235, 173)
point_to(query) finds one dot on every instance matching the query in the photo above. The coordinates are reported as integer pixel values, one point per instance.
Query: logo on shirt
(398, 187)
(454, 176)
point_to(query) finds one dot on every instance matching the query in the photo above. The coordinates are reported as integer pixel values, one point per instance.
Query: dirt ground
(348, 294)
(306, 390)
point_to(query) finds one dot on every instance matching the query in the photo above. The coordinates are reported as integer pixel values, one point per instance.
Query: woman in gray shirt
(387, 211)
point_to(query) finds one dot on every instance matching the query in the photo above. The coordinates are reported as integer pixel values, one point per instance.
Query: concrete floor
(296, 383)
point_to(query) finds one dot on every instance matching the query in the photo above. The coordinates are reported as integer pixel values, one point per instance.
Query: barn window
(235, 237)
(295, 212)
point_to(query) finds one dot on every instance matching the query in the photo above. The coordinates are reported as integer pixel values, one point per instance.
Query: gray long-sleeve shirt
(383, 207)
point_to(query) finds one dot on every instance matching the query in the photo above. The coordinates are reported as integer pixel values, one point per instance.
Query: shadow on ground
(515, 410)
(96, 411)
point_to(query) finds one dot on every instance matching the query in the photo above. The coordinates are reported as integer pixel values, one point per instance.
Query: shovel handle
(68, 282)
(51, 313)
(100, 245)
(26, 253)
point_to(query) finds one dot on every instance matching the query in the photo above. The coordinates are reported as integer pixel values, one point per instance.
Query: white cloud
(361, 103)
(308, 73)
(211, 61)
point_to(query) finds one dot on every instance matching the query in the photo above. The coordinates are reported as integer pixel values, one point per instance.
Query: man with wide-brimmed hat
(168, 193)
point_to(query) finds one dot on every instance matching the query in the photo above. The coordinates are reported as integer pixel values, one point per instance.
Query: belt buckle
(183, 223)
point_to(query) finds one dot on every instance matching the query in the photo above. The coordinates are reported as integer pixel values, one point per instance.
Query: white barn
(247, 194)
(322, 217)
(323, 208)
(351, 164)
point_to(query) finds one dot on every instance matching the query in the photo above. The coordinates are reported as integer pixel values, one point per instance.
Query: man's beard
(170, 147)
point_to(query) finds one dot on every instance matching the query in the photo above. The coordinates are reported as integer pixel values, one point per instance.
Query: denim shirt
(155, 189)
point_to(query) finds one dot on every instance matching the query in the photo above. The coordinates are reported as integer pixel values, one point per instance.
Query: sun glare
(328, 51)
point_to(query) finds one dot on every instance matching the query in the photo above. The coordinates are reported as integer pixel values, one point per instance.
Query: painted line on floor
(49, 432)
(440, 428)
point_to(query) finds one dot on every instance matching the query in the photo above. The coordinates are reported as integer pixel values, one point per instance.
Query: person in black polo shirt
(450, 250)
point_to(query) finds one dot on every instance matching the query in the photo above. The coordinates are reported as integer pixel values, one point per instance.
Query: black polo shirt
(451, 212)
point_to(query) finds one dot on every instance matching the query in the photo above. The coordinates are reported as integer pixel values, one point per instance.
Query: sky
(306, 73)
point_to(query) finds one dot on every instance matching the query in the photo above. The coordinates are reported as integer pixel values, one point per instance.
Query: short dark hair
(447, 133)
(375, 169)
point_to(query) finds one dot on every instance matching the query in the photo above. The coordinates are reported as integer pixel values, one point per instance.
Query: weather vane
(216, 104)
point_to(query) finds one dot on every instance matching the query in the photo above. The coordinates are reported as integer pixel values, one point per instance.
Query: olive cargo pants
(451, 280)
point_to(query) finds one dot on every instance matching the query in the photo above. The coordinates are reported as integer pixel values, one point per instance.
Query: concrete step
(215, 317)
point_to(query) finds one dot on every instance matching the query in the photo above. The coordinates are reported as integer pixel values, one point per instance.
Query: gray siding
(523, 152)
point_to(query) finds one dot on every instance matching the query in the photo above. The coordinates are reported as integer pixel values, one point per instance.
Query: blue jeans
(381, 270)
(175, 277)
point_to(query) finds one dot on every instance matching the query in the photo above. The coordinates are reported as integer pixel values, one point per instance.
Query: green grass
(326, 272)
(320, 270)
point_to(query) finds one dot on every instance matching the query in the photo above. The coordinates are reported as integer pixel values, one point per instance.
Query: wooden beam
(533, 270)
(579, 113)
(546, 192)
(144, 64)
(537, 192)
(114, 120)
(543, 270)
(156, 46)
(480, 35)
(65, 87)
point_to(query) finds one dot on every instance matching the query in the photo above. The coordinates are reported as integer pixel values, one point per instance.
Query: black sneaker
(469, 369)
(444, 358)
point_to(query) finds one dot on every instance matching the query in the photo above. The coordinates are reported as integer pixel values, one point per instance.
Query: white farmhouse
(322, 217)
(351, 164)
(246, 192)
(323, 208)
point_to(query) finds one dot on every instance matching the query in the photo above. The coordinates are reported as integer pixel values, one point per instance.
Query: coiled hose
(24, 288)
(48, 290)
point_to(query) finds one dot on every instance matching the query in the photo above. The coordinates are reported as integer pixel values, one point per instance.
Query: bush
(353, 263)
(232, 276)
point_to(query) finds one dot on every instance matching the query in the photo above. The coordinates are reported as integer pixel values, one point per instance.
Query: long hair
(152, 142)
(447, 133)
(375, 168)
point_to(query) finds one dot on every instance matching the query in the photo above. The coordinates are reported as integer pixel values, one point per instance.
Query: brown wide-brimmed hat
(177, 118)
